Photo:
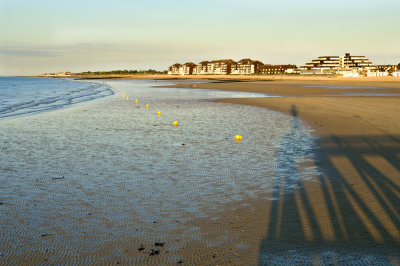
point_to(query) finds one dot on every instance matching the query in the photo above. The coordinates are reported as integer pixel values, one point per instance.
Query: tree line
(123, 72)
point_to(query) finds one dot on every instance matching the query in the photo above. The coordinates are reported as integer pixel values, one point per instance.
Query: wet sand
(285, 77)
(348, 212)
(354, 208)
(93, 183)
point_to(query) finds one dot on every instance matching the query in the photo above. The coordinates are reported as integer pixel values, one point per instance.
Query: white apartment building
(246, 67)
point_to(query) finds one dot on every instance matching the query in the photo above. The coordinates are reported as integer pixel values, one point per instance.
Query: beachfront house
(176, 69)
(377, 74)
(201, 68)
(220, 67)
(59, 74)
(384, 70)
(396, 74)
(187, 68)
(246, 67)
(277, 69)
(228, 66)
(64, 74)
(397, 71)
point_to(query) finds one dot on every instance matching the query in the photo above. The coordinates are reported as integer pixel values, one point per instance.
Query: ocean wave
(29, 96)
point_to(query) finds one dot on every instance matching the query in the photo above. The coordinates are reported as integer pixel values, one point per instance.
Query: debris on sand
(159, 244)
(154, 252)
(57, 178)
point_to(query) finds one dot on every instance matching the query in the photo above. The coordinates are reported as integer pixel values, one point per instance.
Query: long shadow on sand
(349, 214)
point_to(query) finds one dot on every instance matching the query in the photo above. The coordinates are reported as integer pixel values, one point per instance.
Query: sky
(79, 35)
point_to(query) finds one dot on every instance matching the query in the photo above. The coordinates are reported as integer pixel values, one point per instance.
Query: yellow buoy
(159, 113)
(175, 124)
(238, 138)
(127, 97)
(147, 106)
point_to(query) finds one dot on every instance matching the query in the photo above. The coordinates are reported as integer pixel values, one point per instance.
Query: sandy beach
(83, 159)
(355, 204)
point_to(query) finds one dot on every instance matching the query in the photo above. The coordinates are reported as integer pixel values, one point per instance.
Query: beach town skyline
(44, 36)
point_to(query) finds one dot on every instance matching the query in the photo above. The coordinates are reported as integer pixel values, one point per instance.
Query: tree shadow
(349, 213)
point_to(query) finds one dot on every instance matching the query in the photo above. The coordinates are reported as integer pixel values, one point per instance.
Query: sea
(26, 96)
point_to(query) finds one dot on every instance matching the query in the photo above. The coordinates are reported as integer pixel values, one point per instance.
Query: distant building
(228, 66)
(355, 62)
(201, 68)
(59, 74)
(386, 68)
(338, 65)
(175, 69)
(277, 69)
(65, 74)
(246, 67)
(322, 65)
(397, 72)
(220, 67)
(348, 73)
(377, 74)
(188, 68)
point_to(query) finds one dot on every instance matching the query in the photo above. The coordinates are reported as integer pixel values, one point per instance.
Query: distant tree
(122, 72)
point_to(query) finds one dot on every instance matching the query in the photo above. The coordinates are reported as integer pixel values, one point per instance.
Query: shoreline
(350, 102)
(284, 77)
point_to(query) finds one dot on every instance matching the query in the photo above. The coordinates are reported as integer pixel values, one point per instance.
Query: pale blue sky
(52, 35)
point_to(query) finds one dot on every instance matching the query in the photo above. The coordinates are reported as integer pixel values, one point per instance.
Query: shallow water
(77, 179)
(27, 96)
